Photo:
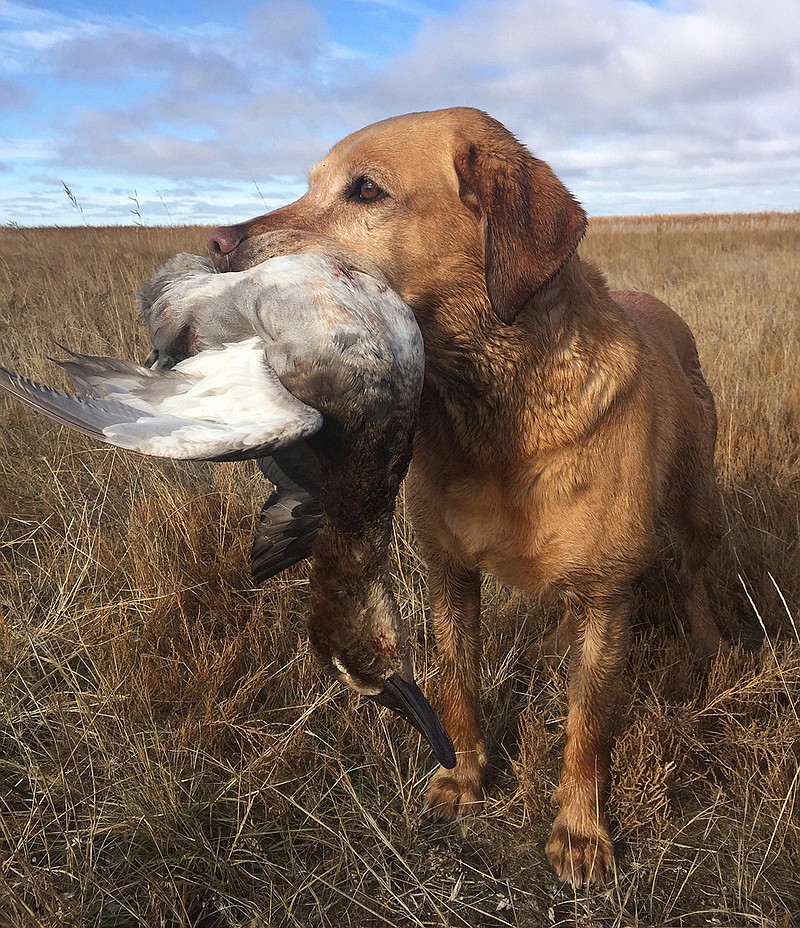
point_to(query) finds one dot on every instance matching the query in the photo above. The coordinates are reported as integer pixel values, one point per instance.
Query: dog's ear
(532, 223)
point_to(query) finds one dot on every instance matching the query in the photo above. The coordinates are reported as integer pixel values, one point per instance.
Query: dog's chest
(524, 526)
(479, 522)
(474, 514)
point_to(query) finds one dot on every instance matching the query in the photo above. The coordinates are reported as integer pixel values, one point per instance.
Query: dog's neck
(468, 347)
(488, 379)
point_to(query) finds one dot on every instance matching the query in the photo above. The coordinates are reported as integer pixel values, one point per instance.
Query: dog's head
(442, 203)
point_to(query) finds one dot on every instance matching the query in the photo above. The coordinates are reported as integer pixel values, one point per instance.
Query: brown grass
(169, 755)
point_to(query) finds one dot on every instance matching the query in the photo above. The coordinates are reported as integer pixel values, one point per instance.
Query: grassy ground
(169, 755)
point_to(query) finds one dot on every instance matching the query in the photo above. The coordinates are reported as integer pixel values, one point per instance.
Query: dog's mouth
(224, 263)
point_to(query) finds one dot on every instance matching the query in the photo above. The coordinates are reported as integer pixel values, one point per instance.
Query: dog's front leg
(580, 849)
(455, 594)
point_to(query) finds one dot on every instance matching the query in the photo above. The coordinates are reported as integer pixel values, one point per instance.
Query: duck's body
(307, 359)
(337, 338)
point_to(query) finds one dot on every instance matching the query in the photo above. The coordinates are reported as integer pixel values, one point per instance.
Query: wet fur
(566, 433)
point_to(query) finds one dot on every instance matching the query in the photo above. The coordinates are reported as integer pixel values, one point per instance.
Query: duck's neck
(362, 465)
(351, 593)
(353, 613)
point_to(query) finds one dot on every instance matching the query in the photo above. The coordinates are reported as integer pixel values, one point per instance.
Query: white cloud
(602, 62)
(13, 95)
(28, 31)
(684, 104)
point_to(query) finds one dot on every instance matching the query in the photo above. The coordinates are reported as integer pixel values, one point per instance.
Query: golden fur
(566, 433)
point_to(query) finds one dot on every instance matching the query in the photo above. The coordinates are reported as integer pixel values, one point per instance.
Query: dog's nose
(222, 242)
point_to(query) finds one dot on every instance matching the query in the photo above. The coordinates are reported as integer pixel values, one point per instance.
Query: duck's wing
(221, 405)
(291, 518)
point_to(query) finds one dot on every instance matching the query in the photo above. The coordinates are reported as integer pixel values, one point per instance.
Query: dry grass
(170, 757)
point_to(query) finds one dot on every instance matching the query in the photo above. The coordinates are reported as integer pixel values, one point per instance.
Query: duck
(314, 367)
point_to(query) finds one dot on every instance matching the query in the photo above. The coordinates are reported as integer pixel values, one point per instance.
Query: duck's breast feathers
(225, 404)
(312, 308)
(295, 303)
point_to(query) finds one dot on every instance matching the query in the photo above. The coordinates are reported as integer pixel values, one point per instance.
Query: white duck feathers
(289, 317)
(221, 404)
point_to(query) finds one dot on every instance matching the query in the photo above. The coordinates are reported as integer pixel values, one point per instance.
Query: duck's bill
(406, 700)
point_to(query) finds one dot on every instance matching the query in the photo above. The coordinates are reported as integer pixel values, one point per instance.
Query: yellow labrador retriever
(566, 434)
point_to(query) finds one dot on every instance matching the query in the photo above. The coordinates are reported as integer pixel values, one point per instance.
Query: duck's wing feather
(221, 405)
(291, 518)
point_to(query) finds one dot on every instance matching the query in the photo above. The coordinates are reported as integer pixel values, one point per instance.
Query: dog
(566, 433)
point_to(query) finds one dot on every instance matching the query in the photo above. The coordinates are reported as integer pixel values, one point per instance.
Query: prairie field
(170, 756)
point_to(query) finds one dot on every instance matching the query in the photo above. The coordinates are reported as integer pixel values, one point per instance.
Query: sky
(211, 112)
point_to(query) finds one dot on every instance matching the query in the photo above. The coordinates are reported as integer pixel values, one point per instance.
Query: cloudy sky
(205, 111)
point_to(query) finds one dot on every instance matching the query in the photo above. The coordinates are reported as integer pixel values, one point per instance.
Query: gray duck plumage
(314, 369)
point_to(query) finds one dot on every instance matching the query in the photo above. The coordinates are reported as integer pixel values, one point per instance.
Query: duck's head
(358, 637)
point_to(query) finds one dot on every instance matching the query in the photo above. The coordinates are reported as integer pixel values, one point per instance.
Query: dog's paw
(451, 796)
(581, 856)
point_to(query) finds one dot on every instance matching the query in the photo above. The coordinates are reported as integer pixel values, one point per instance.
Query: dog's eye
(367, 191)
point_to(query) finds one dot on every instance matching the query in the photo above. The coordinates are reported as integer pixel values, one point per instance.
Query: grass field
(169, 756)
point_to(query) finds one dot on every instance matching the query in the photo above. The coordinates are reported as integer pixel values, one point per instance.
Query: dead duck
(181, 306)
(316, 369)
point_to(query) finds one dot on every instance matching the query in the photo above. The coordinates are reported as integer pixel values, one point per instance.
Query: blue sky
(212, 112)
